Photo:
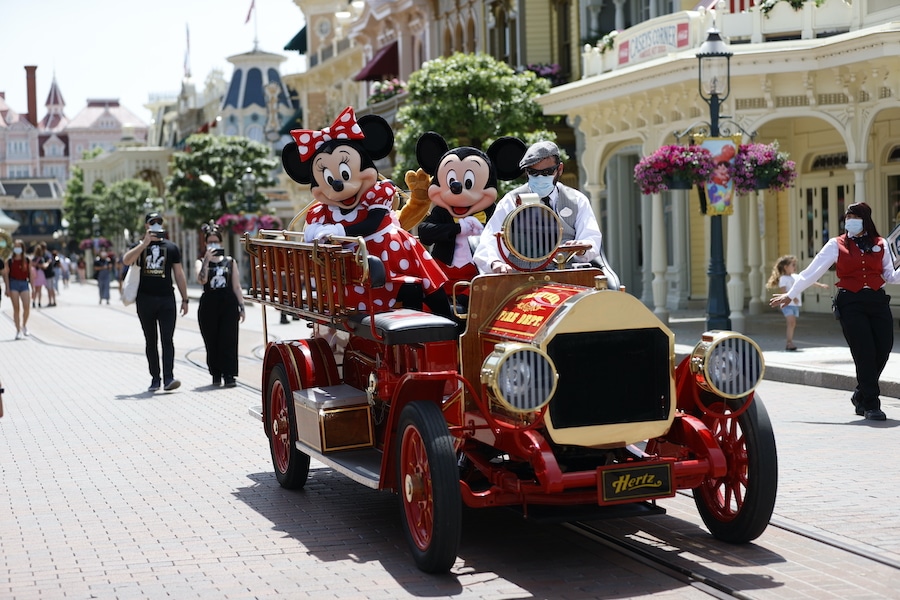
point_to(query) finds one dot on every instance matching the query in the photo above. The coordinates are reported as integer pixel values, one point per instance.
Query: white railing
(811, 21)
(749, 26)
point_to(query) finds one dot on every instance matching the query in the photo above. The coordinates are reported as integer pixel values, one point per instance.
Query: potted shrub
(762, 166)
(673, 167)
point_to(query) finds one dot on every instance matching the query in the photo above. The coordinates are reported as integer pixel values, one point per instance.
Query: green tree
(121, 207)
(471, 100)
(206, 177)
(79, 206)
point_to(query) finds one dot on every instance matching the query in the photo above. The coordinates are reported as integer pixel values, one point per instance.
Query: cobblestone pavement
(109, 491)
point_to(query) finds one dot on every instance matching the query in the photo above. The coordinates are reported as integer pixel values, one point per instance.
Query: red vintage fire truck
(560, 394)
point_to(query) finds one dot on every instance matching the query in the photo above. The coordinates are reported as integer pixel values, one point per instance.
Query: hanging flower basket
(762, 167)
(678, 183)
(673, 167)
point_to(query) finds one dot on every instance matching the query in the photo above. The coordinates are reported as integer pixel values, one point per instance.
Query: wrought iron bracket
(727, 128)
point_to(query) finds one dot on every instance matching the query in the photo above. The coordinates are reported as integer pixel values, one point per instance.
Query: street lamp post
(89, 260)
(248, 185)
(714, 83)
(95, 222)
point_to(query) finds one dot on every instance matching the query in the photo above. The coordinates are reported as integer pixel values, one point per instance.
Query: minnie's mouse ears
(378, 141)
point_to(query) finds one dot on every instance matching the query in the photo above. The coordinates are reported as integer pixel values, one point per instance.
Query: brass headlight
(727, 363)
(521, 377)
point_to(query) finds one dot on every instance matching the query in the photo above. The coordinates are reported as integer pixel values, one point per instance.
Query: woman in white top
(864, 265)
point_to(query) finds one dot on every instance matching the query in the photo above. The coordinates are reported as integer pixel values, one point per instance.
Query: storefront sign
(645, 44)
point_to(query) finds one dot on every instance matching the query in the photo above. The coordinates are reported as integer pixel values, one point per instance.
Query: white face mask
(853, 226)
(542, 185)
(17, 250)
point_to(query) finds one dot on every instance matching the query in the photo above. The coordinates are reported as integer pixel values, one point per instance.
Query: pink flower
(762, 165)
(690, 163)
(240, 223)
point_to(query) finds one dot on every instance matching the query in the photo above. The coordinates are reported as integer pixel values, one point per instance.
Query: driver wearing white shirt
(544, 168)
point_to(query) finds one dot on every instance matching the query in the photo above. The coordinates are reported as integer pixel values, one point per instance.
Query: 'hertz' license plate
(634, 482)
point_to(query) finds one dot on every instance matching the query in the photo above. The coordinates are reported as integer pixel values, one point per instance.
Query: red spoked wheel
(736, 507)
(428, 482)
(291, 466)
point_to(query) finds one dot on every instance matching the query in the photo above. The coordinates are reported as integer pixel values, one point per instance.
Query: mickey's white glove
(317, 231)
(470, 226)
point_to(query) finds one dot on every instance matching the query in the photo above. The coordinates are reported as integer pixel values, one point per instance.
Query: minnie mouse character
(338, 164)
(463, 191)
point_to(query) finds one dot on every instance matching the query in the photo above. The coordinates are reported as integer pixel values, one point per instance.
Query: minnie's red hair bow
(343, 128)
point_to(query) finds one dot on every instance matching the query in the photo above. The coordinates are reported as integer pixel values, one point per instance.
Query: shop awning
(298, 43)
(384, 65)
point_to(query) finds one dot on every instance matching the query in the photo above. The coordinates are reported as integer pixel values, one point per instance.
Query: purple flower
(762, 165)
(551, 71)
(690, 163)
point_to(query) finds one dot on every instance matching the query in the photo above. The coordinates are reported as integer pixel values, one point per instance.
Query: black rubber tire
(291, 466)
(737, 508)
(428, 484)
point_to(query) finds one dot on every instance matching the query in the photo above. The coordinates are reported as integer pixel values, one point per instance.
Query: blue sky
(115, 49)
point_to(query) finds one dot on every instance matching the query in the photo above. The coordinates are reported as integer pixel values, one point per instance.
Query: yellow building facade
(822, 81)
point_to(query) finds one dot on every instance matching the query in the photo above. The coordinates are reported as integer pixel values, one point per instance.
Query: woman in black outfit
(221, 307)
(864, 265)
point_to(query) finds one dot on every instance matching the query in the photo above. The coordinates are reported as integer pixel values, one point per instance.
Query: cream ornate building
(820, 80)
(823, 81)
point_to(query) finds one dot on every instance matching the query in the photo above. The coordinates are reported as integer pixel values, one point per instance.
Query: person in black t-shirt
(160, 263)
(221, 307)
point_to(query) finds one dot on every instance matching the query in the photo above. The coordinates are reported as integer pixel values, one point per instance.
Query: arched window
(894, 155)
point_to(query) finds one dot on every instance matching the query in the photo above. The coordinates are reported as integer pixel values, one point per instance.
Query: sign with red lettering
(525, 313)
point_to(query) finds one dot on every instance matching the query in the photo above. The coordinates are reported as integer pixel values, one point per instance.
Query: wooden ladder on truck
(305, 278)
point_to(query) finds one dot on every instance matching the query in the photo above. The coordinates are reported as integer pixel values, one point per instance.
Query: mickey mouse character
(338, 164)
(463, 191)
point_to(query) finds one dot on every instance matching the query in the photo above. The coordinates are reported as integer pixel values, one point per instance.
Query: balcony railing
(687, 29)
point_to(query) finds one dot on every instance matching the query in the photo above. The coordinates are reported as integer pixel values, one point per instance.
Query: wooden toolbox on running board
(334, 418)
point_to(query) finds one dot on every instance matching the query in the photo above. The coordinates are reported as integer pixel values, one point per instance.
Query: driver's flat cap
(538, 152)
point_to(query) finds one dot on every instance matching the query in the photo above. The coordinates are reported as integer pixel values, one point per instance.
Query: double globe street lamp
(714, 84)
(248, 186)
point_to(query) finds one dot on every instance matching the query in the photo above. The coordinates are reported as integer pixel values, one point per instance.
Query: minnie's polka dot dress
(404, 258)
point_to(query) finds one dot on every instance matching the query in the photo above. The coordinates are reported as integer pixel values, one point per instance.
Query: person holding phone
(160, 263)
(221, 307)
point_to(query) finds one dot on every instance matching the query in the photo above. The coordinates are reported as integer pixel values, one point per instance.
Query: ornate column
(753, 256)
(859, 180)
(734, 265)
(679, 266)
(658, 259)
